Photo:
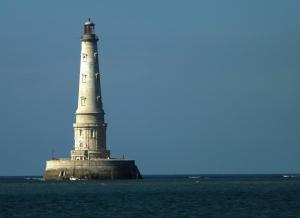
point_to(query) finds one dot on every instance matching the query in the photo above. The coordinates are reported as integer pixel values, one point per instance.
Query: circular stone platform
(105, 169)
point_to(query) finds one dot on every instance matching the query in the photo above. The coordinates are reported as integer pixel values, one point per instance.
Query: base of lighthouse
(102, 169)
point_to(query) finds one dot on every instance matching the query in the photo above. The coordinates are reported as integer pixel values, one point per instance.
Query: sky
(189, 87)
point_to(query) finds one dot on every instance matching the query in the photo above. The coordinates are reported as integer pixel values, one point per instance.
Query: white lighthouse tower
(90, 158)
(90, 127)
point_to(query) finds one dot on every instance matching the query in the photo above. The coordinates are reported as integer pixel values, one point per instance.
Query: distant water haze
(188, 87)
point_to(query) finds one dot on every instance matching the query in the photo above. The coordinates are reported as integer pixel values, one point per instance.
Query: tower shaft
(90, 126)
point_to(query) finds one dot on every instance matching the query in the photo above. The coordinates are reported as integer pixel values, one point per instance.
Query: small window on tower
(93, 133)
(80, 132)
(83, 78)
(97, 79)
(84, 57)
(83, 101)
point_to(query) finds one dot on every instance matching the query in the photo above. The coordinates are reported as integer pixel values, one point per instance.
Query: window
(84, 57)
(83, 101)
(80, 132)
(96, 55)
(97, 79)
(93, 133)
(83, 78)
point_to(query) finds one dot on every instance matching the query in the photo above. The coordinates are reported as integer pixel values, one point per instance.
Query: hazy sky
(188, 86)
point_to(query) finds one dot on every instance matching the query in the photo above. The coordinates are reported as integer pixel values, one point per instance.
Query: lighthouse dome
(89, 23)
(89, 27)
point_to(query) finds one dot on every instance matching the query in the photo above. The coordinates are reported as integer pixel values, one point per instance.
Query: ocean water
(155, 196)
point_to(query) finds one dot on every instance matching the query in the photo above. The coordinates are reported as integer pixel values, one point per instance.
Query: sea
(232, 196)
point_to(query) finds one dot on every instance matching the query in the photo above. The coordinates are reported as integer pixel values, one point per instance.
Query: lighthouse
(90, 158)
(90, 127)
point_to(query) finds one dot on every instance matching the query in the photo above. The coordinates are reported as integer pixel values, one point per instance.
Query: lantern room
(89, 27)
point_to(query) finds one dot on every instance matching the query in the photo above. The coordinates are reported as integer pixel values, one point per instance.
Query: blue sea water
(155, 196)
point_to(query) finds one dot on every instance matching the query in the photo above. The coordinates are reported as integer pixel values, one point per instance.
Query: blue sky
(188, 86)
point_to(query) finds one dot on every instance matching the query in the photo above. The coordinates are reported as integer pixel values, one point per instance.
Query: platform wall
(91, 169)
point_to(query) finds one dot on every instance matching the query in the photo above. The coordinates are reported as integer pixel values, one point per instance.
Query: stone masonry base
(102, 169)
